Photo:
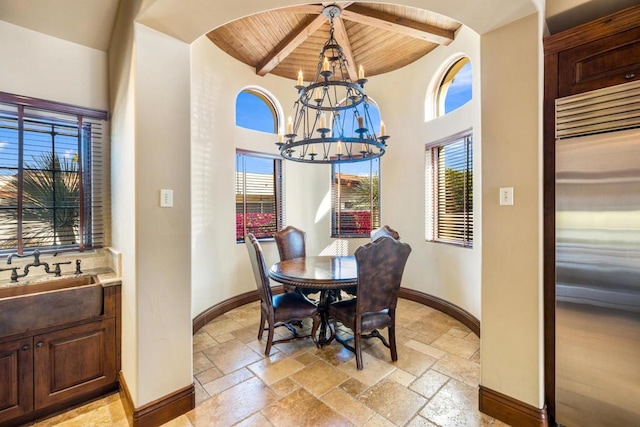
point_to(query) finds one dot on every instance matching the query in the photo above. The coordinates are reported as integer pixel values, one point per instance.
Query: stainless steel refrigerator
(598, 258)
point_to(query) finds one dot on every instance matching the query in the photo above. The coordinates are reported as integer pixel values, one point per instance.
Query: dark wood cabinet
(16, 373)
(604, 62)
(73, 361)
(49, 369)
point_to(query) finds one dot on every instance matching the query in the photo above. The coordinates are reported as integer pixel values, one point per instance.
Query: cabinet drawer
(604, 62)
(73, 361)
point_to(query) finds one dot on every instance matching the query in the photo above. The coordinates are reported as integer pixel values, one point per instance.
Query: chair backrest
(384, 231)
(259, 268)
(291, 242)
(380, 267)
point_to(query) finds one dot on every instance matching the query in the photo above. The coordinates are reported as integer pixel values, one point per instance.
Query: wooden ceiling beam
(289, 44)
(340, 34)
(397, 24)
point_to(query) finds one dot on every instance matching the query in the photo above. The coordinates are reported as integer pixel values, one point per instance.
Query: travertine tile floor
(434, 382)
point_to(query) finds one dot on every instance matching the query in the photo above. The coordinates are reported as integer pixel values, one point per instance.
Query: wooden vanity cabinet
(50, 369)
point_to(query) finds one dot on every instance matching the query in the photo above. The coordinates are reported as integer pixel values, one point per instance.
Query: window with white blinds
(449, 190)
(259, 195)
(355, 190)
(54, 192)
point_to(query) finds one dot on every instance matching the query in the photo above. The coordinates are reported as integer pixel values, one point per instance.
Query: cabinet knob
(629, 76)
(25, 347)
(39, 344)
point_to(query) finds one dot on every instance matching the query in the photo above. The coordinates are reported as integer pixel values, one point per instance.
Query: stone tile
(425, 349)
(231, 356)
(181, 421)
(245, 315)
(104, 412)
(413, 361)
(353, 386)
(247, 333)
(209, 375)
(216, 386)
(307, 358)
(373, 370)
(378, 421)
(233, 404)
(201, 362)
(202, 340)
(428, 330)
(223, 325)
(475, 357)
(460, 331)
(319, 377)
(285, 386)
(403, 378)
(334, 354)
(429, 383)
(201, 393)
(461, 369)
(347, 406)
(393, 401)
(456, 345)
(419, 421)
(256, 420)
(472, 337)
(456, 404)
(270, 373)
(225, 337)
(309, 411)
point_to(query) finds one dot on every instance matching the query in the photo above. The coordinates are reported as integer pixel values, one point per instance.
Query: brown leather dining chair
(278, 310)
(376, 233)
(380, 267)
(385, 230)
(292, 242)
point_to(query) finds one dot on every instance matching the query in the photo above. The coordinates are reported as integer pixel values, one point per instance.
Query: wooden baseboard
(221, 308)
(510, 410)
(460, 314)
(159, 411)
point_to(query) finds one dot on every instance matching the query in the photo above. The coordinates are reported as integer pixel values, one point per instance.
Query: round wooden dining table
(326, 273)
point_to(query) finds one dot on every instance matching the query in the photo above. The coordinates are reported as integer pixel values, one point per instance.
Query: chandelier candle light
(332, 117)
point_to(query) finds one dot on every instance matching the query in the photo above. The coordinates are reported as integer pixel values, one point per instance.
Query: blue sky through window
(252, 112)
(460, 91)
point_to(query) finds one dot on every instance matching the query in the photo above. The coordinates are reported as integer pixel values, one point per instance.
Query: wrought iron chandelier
(332, 122)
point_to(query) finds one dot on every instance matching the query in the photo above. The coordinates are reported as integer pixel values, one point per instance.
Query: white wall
(512, 330)
(219, 264)
(41, 66)
(445, 271)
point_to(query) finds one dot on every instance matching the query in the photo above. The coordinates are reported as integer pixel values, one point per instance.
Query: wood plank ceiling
(381, 38)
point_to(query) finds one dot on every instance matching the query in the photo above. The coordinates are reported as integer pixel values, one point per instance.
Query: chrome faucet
(36, 263)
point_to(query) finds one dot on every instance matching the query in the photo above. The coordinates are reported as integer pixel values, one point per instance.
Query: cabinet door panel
(16, 374)
(605, 62)
(73, 361)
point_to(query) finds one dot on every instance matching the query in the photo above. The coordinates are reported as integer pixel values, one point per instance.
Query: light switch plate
(506, 196)
(166, 198)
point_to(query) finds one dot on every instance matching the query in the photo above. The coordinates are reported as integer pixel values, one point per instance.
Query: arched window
(455, 89)
(256, 111)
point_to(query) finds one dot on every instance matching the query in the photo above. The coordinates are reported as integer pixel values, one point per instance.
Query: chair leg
(261, 330)
(358, 342)
(267, 350)
(392, 343)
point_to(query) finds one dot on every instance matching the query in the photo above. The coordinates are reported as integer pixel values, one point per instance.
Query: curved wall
(510, 52)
